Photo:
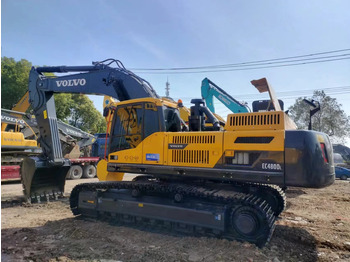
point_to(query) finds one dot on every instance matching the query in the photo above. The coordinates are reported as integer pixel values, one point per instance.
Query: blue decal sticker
(152, 157)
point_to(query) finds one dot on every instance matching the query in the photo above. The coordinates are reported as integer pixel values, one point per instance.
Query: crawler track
(245, 217)
(272, 194)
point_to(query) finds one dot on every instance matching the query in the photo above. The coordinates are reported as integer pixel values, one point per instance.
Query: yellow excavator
(19, 139)
(193, 178)
(14, 143)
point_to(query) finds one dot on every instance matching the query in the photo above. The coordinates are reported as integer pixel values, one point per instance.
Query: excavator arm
(210, 90)
(98, 79)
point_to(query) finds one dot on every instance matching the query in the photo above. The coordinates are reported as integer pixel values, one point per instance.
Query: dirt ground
(315, 227)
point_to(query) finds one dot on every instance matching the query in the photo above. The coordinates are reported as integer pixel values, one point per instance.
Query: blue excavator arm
(210, 90)
(99, 79)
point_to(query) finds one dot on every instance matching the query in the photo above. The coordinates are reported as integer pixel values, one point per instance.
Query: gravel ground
(315, 227)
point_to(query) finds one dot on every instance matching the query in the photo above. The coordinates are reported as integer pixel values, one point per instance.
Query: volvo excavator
(197, 179)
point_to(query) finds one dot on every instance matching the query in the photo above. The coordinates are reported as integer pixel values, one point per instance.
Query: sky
(183, 33)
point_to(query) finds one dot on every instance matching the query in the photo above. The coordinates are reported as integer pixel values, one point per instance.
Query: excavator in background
(19, 139)
(15, 144)
(22, 106)
(209, 90)
(194, 178)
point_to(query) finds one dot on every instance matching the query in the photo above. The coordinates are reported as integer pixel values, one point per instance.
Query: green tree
(85, 116)
(78, 110)
(64, 104)
(14, 80)
(331, 119)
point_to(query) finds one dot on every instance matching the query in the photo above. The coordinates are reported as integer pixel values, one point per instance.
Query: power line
(291, 94)
(338, 89)
(287, 61)
(253, 63)
(240, 69)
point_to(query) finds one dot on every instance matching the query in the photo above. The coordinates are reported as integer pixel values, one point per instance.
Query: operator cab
(132, 123)
(135, 120)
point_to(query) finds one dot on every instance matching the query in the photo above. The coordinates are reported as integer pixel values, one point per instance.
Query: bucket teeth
(55, 196)
(45, 197)
(38, 199)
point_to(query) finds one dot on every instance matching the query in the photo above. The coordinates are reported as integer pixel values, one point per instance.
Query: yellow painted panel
(277, 143)
(16, 139)
(104, 175)
(153, 149)
(129, 156)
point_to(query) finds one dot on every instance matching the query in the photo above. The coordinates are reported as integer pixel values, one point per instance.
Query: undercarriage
(243, 212)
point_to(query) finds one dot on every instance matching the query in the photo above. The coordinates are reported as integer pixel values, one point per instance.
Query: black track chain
(223, 196)
(277, 193)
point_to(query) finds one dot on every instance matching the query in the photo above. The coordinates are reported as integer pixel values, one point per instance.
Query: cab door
(153, 143)
(127, 133)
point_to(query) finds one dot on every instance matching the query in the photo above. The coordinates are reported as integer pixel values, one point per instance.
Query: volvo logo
(72, 132)
(12, 119)
(71, 82)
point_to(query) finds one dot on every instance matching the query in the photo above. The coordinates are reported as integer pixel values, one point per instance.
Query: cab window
(127, 131)
(132, 124)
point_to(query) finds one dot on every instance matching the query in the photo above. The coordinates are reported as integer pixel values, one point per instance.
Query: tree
(14, 80)
(331, 119)
(75, 109)
(64, 104)
(78, 110)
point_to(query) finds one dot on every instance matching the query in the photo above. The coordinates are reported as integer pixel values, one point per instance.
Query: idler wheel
(249, 224)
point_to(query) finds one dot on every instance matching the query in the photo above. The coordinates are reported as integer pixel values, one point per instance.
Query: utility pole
(167, 88)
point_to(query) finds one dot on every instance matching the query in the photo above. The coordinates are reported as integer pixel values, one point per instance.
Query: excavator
(209, 90)
(195, 179)
(21, 107)
(19, 139)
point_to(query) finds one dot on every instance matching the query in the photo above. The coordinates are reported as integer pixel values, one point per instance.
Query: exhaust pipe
(41, 180)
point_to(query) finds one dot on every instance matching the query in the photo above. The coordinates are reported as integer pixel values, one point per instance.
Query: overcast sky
(189, 33)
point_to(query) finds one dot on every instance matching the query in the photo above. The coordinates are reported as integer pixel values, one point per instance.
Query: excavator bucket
(42, 181)
(263, 86)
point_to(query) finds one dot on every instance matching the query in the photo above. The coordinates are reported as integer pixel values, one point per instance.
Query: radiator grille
(191, 139)
(270, 120)
(190, 156)
(256, 120)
